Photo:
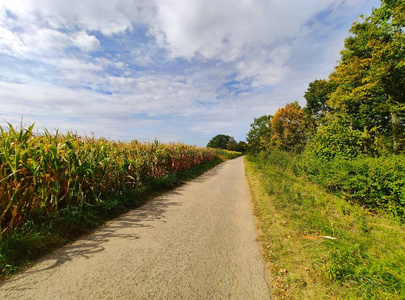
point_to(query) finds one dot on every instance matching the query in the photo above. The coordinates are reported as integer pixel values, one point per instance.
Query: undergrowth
(377, 183)
(319, 246)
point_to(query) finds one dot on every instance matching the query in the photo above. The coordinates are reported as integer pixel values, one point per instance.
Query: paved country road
(195, 242)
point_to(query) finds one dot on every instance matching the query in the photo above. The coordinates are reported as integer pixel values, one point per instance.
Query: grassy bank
(317, 245)
(377, 183)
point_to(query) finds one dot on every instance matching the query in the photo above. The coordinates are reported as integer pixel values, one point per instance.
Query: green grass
(365, 261)
(45, 233)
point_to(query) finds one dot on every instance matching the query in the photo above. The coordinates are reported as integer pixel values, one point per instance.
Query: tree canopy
(360, 108)
(364, 98)
(259, 134)
(221, 141)
(317, 95)
(285, 131)
(370, 77)
(288, 128)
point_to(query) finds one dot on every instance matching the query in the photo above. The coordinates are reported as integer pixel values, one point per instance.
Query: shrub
(377, 183)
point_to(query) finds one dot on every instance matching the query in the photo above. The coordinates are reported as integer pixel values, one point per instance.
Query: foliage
(227, 142)
(365, 261)
(337, 139)
(377, 183)
(370, 77)
(241, 147)
(354, 124)
(46, 173)
(259, 135)
(317, 95)
(288, 128)
(238, 147)
(232, 145)
(220, 141)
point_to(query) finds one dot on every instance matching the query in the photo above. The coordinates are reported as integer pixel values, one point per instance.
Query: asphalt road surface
(195, 242)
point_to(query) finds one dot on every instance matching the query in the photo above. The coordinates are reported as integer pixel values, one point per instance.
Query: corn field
(226, 153)
(47, 172)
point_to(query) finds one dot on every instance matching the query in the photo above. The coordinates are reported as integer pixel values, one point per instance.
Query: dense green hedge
(376, 183)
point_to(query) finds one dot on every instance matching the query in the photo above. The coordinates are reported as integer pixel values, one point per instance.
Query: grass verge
(41, 235)
(317, 246)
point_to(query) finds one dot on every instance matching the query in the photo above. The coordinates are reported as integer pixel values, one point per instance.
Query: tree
(220, 141)
(370, 77)
(259, 135)
(232, 145)
(317, 95)
(288, 128)
(241, 147)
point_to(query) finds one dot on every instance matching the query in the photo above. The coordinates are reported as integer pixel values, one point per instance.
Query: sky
(175, 70)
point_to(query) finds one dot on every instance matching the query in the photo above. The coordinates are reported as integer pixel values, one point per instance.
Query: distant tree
(288, 128)
(259, 135)
(220, 141)
(241, 147)
(232, 145)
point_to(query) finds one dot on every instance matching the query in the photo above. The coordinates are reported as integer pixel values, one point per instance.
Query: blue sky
(175, 70)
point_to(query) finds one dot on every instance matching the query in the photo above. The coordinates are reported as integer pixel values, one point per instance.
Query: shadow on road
(208, 174)
(89, 245)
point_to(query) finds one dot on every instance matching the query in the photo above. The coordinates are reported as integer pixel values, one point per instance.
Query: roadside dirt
(195, 242)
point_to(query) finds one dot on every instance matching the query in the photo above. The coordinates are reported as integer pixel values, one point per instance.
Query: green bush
(377, 183)
(338, 140)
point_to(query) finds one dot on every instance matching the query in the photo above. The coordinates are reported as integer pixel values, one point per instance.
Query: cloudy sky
(176, 70)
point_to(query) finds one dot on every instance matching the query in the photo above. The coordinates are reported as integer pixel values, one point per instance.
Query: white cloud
(86, 42)
(172, 69)
(39, 42)
(108, 17)
(223, 29)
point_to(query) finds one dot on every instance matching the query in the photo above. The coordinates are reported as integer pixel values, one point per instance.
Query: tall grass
(317, 245)
(40, 174)
(377, 183)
